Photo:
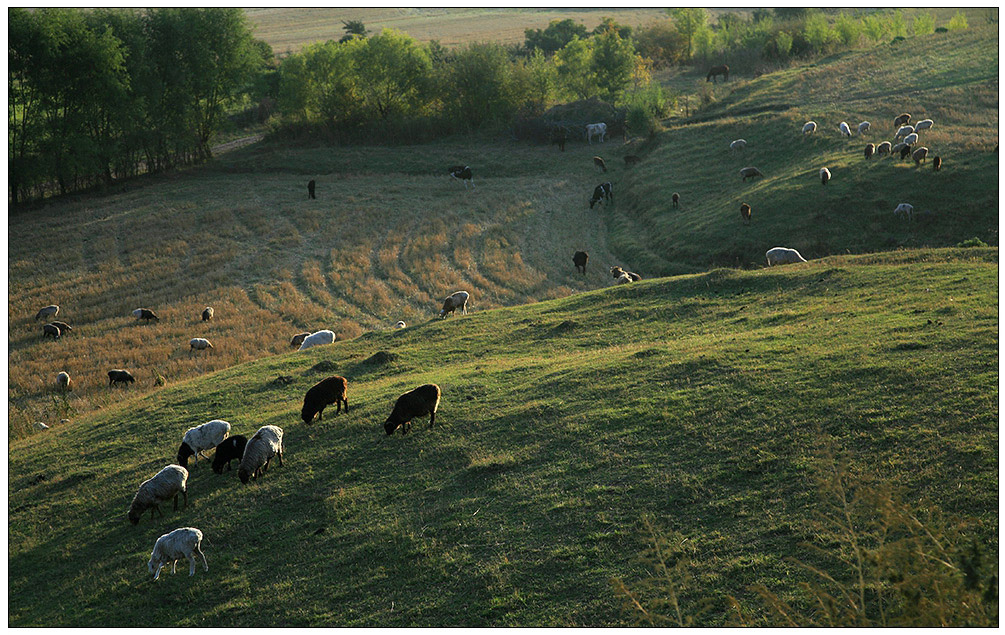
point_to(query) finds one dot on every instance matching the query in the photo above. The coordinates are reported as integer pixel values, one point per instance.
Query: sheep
(845, 130)
(267, 443)
(676, 199)
(809, 127)
(631, 159)
(904, 210)
(825, 175)
(63, 381)
(623, 279)
(864, 127)
(415, 403)
(906, 150)
(47, 311)
(400, 325)
(911, 139)
(883, 148)
(602, 191)
(870, 149)
(207, 314)
(782, 255)
(462, 173)
(904, 131)
(298, 339)
(199, 344)
(919, 155)
(318, 338)
(456, 300)
(745, 212)
(172, 547)
(145, 314)
(227, 450)
(617, 272)
(331, 390)
(897, 148)
(41, 426)
(50, 330)
(599, 162)
(739, 144)
(201, 438)
(749, 173)
(594, 129)
(937, 163)
(119, 376)
(580, 259)
(63, 327)
(310, 189)
(901, 120)
(164, 485)
(924, 124)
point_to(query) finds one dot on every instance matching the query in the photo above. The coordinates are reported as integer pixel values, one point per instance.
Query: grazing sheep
(414, 403)
(722, 69)
(745, 212)
(201, 438)
(199, 344)
(602, 191)
(825, 175)
(119, 376)
(145, 314)
(919, 155)
(456, 300)
(901, 120)
(749, 173)
(164, 485)
(782, 255)
(580, 259)
(809, 127)
(63, 327)
(331, 390)
(267, 443)
(924, 124)
(41, 426)
(870, 149)
(298, 339)
(47, 311)
(50, 330)
(897, 148)
(207, 314)
(904, 210)
(599, 162)
(180, 543)
(676, 199)
(227, 450)
(399, 325)
(318, 338)
(845, 130)
(904, 131)
(623, 279)
(310, 189)
(739, 144)
(595, 129)
(462, 173)
(883, 148)
(906, 150)
(631, 159)
(63, 381)
(617, 272)
(911, 139)
(937, 163)
(864, 127)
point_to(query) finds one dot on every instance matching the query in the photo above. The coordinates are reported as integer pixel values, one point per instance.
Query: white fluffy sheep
(924, 124)
(911, 139)
(164, 485)
(897, 148)
(399, 325)
(883, 148)
(201, 438)
(809, 127)
(825, 175)
(41, 426)
(904, 210)
(319, 338)
(172, 547)
(456, 300)
(258, 453)
(63, 381)
(199, 344)
(739, 144)
(47, 311)
(864, 127)
(904, 131)
(845, 130)
(782, 255)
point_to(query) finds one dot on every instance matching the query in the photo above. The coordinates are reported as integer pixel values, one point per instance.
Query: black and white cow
(602, 191)
(463, 173)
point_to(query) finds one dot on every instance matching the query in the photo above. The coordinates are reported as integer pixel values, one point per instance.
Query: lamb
(676, 199)
(63, 327)
(400, 325)
(782, 255)
(310, 189)
(172, 547)
(864, 127)
(870, 149)
(164, 485)
(227, 450)
(201, 438)
(920, 155)
(416, 403)
(924, 124)
(63, 382)
(617, 272)
(883, 148)
(199, 344)
(809, 127)
(331, 390)
(599, 162)
(50, 330)
(462, 173)
(602, 191)
(845, 130)
(937, 163)
(749, 173)
(207, 314)
(739, 144)
(119, 376)
(631, 159)
(47, 311)
(298, 339)
(745, 212)
(456, 300)
(904, 131)
(580, 259)
(825, 175)
(145, 314)
(911, 139)
(904, 210)
(901, 120)
(594, 129)
(267, 443)
(318, 338)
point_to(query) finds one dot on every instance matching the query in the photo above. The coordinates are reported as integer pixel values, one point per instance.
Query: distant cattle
(717, 70)
(601, 192)
(595, 129)
(579, 259)
(462, 173)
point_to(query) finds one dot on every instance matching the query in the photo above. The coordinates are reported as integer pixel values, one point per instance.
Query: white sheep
(201, 438)
(911, 139)
(904, 131)
(904, 210)
(172, 547)
(63, 381)
(41, 426)
(845, 130)
(258, 453)
(456, 300)
(199, 344)
(319, 338)
(399, 325)
(809, 127)
(739, 144)
(164, 485)
(897, 148)
(864, 127)
(825, 175)
(47, 311)
(782, 255)
(924, 124)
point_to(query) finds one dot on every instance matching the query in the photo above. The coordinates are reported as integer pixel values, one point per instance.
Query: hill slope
(699, 399)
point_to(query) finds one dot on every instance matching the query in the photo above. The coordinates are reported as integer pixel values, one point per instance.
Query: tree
(395, 72)
(574, 61)
(608, 24)
(612, 64)
(481, 85)
(558, 34)
(353, 29)
(689, 20)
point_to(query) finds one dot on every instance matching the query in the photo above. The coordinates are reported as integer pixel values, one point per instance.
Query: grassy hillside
(700, 399)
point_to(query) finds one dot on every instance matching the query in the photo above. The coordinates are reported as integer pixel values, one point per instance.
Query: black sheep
(50, 330)
(310, 189)
(580, 259)
(324, 393)
(415, 403)
(118, 376)
(229, 449)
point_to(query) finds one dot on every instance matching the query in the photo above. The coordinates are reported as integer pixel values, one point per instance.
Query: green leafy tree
(555, 36)
(661, 42)
(542, 78)
(395, 72)
(957, 22)
(608, 24)
(924, 24)
(353, 29)
(848, 29)
(574, 62)
(689, 22)
(612, 64)
(483, 85)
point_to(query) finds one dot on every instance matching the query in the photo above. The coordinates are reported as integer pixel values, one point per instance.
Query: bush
(972, 242)
(924, 24)
(958, 22)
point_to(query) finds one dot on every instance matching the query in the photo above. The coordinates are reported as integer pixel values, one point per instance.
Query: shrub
(958, 22)
(972, 242)
(924, 24)
(849, 30)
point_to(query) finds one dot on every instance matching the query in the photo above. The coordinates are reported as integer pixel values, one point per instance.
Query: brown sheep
(745, 212)
(50, 330)
(324, 393)
(825, 175)
(901, 120)
(870, 149)
(416, 403)
(676, 199)
(920, 155)
(937, 163)
(883, 148)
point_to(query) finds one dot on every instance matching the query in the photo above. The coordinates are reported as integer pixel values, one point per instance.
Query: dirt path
(235, 144)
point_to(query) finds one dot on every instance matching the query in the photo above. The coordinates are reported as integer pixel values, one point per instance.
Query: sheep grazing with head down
(145, 314)
(901, 120)
(745, 213)
(905, 151)
(419, 402)
(883, 148)
(911, 139)
(207, 314)
(50, 330)
(227, 450)
(864, 127)
(201, 438)
(905, 211)
(603, 191)
(919, 155)
(331, 390)
(399, 325)
(924, 124)
(898, 148)
(617, 272)
(749, 173)
(870, 149)
(676, 199)
(739, 144)
(63, 382)
(937, 163)
(119, 376)
(63, 327)
(599, 163)
(318, 338)
(782, 255)
(825, 175)
(298, 339)
(809, 127)
(845, 130)
(454, 301)
(580, 258)
(164, 485)
(267, 443)
(904, 131)
(47, 312)
(185, 542)
(199, 344)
